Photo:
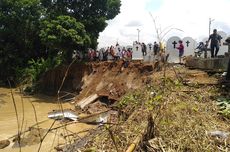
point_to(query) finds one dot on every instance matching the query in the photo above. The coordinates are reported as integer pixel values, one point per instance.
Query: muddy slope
(104, 78)
(52, 80)
(182, 105)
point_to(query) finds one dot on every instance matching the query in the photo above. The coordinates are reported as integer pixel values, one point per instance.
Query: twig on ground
(112, 137)
(62, 83)
(16, 112)
(23, 111)
(39, 148)
(53, 140)
(36, 119)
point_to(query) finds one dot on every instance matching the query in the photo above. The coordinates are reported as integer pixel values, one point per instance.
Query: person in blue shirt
(215, 43)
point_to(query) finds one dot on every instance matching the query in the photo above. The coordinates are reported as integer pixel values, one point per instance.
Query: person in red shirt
(181, 49)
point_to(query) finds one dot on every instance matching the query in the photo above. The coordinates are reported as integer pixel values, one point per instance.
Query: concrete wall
(209, 64)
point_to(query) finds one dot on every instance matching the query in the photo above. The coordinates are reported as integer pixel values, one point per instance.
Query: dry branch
(16, 112)
(84, 102)
(147, 133)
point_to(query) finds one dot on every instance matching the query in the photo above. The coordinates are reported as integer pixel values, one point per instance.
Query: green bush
(224, 106)
(37, 67)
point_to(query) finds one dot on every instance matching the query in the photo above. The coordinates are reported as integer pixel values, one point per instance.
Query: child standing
(181, 49)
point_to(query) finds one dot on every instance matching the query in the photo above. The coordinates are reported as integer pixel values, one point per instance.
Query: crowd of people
(156, 48)
(110, 53)
(117, 52)
(126, 53)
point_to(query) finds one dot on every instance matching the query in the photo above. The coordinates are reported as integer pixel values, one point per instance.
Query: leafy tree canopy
(29, 27)
(63, 33)
(92, 13)
(19, 20)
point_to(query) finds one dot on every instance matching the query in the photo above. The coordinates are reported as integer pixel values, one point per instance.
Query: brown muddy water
(43, 105)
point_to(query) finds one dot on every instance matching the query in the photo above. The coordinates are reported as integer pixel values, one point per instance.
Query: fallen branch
(84, 102)
(40, 145)
(29, 128)
(112, 137)
(83, 131)
(147, 133)
(92, 117)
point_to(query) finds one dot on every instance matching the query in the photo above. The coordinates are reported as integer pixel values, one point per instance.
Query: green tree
(92, 13)
(31, 28)
(19, 20)
(64, 34)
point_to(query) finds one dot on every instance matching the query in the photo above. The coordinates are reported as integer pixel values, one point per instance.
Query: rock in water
(4, 143)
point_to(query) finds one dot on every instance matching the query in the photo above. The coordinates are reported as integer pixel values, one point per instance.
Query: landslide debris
(174, 110)
(159, 107)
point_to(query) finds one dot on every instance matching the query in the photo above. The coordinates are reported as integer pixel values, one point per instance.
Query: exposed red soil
(109, 79)
(112, 80)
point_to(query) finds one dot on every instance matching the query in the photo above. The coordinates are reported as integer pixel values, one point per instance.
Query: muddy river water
(42, 105)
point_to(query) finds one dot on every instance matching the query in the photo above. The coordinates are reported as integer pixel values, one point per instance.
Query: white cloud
(189, 15)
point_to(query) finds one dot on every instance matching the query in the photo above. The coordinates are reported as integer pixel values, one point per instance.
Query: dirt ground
(182, 103)
(107, 79)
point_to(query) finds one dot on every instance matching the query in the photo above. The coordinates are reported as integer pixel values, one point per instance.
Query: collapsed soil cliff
(181, 101)
(52, 80)
(109, 79)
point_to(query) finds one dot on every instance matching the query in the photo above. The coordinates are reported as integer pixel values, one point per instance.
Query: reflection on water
(43, 105)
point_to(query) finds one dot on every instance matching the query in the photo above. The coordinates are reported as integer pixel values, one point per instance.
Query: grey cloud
(133, 24)
(126, 33)
(222, 26)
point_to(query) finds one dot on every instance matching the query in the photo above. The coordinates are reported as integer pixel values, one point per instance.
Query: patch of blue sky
(154, 5)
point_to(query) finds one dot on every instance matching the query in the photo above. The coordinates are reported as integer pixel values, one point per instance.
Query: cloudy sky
(191, 16)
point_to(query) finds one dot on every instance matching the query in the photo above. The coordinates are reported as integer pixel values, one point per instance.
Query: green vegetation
(65, 34)
(183, 116)
(36, 30)
(224, 106)
(37, 68)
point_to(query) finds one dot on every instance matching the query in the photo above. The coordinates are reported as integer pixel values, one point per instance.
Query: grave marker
(174, 44)
(149, 56)
(187, 42)
(137, 52)
(189, 46)
(171, 45)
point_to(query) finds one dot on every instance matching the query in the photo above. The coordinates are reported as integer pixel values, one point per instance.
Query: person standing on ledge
(215, 43)
(181, 50)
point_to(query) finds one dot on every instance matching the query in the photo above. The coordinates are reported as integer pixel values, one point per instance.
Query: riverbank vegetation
(34, 31)
(177, 110)
(154, 106)
(140, 108)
